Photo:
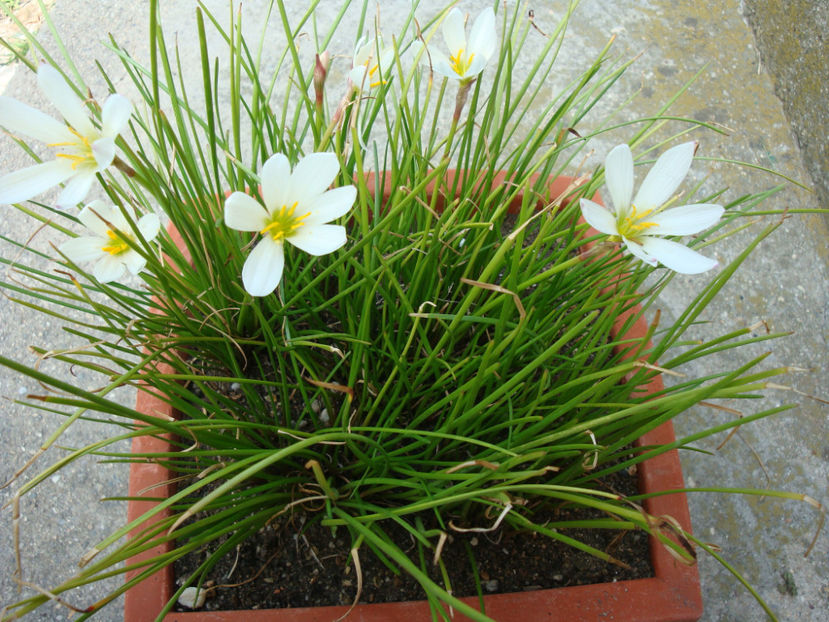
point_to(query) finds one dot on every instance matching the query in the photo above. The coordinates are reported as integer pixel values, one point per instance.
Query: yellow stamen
(117, 244)
(459, 65)
(633, 224)
(371, 72)
(82, 146)
(283, 222)
(77, 160)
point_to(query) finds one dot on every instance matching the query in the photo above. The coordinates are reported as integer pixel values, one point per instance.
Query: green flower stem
(314, 465)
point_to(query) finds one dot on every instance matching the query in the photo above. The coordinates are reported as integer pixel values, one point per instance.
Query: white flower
(367, 67)
(638, 224)
(298, 206)
(467, 57)
(83, 149)
(108, 247)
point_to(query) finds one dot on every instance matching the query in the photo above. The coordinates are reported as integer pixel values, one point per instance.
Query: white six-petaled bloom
(467, 57)
(83, 149)
(367, 67)
(640, 223)
(298, 207)
(108, 245)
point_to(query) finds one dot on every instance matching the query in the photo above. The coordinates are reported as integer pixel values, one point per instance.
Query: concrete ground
(793, 38)
(783, 287)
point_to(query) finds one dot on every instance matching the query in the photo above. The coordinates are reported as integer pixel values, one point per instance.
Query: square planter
(672, 595)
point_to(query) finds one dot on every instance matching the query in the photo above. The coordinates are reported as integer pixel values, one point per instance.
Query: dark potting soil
(294, 564)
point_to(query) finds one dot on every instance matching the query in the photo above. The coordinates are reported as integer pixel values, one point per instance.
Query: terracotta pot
(672, 595)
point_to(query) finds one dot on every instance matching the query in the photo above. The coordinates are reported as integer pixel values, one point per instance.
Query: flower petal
(475, 67)
(366, 59)
(276, 181)
(358, 76)
(482, 38)
(149, 225)
(83, 249)
(104, 151)
(77, 188)
(330, 205)
(441, 65)
(109, 268)
(319, 239)
(116, 218)
(686, 220)
(263, 267)
(362, 52)
(29, 182)
(598, 217)
(115, 115)
(64, 98)
(677, 257)
(312, 176)
(18, 118)
(94, 215)
(665, 176)
(453, 31)
(618, 174)
(133, 261)
(636, 250)
(244, 213)
(386, 64)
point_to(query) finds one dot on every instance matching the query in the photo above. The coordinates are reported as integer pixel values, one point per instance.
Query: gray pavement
(793, 38)
(783, 285)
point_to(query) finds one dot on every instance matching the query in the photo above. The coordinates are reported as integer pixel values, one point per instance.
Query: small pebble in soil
(491, 586)
(324, 416)
(192, 598)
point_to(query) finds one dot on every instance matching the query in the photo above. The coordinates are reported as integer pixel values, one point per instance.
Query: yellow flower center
(83, 149)
(117, 244)
(283, 223)
(633, 224)
(460, 64)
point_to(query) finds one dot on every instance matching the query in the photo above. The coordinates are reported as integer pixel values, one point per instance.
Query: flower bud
(323, 61)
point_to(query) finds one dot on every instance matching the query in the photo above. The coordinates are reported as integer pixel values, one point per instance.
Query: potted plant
(373, 308)
(672, 593)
